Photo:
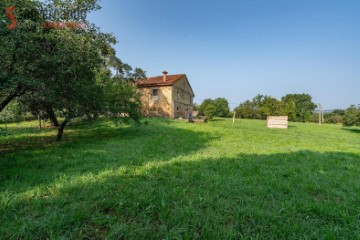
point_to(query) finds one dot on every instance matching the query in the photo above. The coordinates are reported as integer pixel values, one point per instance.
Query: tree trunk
(61, 130)
(39, 118)
(19, 90)
(7, 101)
(52, 117)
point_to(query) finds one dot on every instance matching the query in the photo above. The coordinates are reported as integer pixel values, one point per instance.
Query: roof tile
(159, 81)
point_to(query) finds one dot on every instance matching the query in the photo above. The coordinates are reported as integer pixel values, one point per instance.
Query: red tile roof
(159, 81)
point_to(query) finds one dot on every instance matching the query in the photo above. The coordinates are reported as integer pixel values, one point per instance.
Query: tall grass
(175, 180)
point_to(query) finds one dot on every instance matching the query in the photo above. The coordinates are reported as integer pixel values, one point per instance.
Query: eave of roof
(159, 81)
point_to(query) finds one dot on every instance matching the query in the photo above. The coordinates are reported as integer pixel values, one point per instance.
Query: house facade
(166, 96)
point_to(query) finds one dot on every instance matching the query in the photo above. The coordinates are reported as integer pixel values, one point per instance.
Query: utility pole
(234, 117)
(320, 117)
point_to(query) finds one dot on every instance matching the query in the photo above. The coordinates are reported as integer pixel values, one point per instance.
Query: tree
(259, 107)
(210, 111)
(54, 70)
(340, 112)
(195, 107)
(20, 52)
(257, 103)
(334, 117)
(304, 107)
(12, 113)
(214, 108)
(122, 102)
(221, 107)
(262, 106)
(270, 107)
(352, 116)
(247, 109)
(204, 105)
(288, 109)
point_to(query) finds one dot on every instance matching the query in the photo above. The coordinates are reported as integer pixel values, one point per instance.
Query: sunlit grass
(172, 179)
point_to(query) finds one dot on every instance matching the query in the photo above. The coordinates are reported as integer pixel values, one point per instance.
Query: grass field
(175, 180)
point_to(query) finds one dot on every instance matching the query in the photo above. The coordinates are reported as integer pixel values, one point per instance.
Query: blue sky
(237, 49)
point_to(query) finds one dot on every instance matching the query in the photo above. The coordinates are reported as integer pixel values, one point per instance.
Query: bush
(334, 119)
(214, 108)
(352, 117)
(3, 132)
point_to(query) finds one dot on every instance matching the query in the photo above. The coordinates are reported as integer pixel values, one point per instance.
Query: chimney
(164, 75)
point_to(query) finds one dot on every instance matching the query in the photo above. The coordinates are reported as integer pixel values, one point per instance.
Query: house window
(178, 95)
(155, 94)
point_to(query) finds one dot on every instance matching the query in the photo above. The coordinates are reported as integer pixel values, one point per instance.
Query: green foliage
(270, 107)
(214, 108)
(21, 52)
(204, 105)
(248, 109)
(51, 68)
(122, 101)
(210, 111)
(340, 112)
(333, 118)
(12, 113)
(304, 107)
(260, 107)
(288, 108)
(3, 131)
(352, 116)
(61, 71)
(195, 107)
(348, 117)
(222, 107)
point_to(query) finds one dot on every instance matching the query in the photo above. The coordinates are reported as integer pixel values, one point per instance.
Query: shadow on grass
(276, 196)
(90, 149)
(353, 130)
(30, 137)
(218, 120)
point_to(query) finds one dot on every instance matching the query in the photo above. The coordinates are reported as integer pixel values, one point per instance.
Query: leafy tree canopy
(304, 106)
(214, 108)
(352, 116)
(67, 71)
(295, 106)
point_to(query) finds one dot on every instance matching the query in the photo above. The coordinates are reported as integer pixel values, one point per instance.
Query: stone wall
(172, 101)
(183, 99)
(156, 106)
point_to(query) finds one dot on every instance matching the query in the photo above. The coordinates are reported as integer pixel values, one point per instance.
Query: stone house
(166, 96)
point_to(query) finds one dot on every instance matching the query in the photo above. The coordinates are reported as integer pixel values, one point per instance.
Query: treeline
(298, 107)
(347, 117)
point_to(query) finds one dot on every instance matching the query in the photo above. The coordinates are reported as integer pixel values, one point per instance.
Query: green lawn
(175, 180)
